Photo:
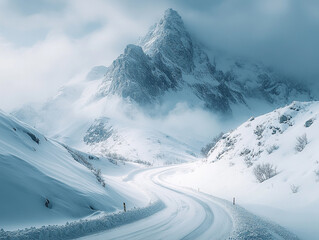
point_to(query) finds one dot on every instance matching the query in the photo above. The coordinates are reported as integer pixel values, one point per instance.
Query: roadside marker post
(233, 201)
(124, 206)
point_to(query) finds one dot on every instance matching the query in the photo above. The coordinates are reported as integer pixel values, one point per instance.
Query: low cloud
(191, 125)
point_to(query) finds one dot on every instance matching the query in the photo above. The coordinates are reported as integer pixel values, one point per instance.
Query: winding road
(189, 214)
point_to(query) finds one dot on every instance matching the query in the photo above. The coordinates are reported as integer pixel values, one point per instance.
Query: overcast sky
(45, 43)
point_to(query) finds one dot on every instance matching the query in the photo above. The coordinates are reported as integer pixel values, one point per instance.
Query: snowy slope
(137, 144)
(291, 196)
(107, 127)
(34, 169)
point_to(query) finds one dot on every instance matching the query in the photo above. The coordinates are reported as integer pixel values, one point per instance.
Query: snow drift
(41, 182)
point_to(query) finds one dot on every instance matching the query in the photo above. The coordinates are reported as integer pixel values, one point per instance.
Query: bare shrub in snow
(245, 151)
(220, 154)
(317, 174)
(302, 141)
(114, 157)
(112, 161)
(272, 148)
(98, 175)
(264, 171)
(231, 164)
(248, 161)
(81, 158)
(230, 142)
(144, 162)
(294, 188)
(259, 131)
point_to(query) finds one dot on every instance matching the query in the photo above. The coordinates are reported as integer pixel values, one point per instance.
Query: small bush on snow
(294, 188)
(248, 161)
(245, 151)
(302, 141)
(264, 171)
(231, 164)
(259, 131)
(272, 148)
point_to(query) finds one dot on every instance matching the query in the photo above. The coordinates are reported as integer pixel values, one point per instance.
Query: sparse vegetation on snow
(263, 150)
(272, 148)
(264, 171)
(302, 141)
(294, 188)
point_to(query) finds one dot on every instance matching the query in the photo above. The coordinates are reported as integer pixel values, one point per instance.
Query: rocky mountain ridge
(167, 59)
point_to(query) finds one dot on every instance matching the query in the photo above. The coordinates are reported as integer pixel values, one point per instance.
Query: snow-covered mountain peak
(172, 16)
(169, 60)
(170, 38)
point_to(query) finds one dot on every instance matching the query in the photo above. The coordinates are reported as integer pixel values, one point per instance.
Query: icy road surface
(189, 214)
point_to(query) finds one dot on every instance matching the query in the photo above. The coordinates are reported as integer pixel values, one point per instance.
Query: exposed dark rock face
(168, 59)
(33, 137)
(98, 132)
(309, 122)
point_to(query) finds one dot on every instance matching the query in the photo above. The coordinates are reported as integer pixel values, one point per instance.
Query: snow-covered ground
(110, 135)
(173, 213)
(42, 183)
(291, 196)
(174, 201)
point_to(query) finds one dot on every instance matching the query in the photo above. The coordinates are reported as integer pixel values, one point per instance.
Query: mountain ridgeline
(169, 60)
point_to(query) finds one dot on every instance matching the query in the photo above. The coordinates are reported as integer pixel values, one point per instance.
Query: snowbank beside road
(83, 227)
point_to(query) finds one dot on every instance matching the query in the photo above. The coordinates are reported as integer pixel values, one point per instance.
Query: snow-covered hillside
(107, 127)
(42, 182)
(270, 164)
(137, 144)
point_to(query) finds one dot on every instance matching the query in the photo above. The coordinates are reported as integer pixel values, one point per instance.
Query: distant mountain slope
(137, 144)
(40, 181)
